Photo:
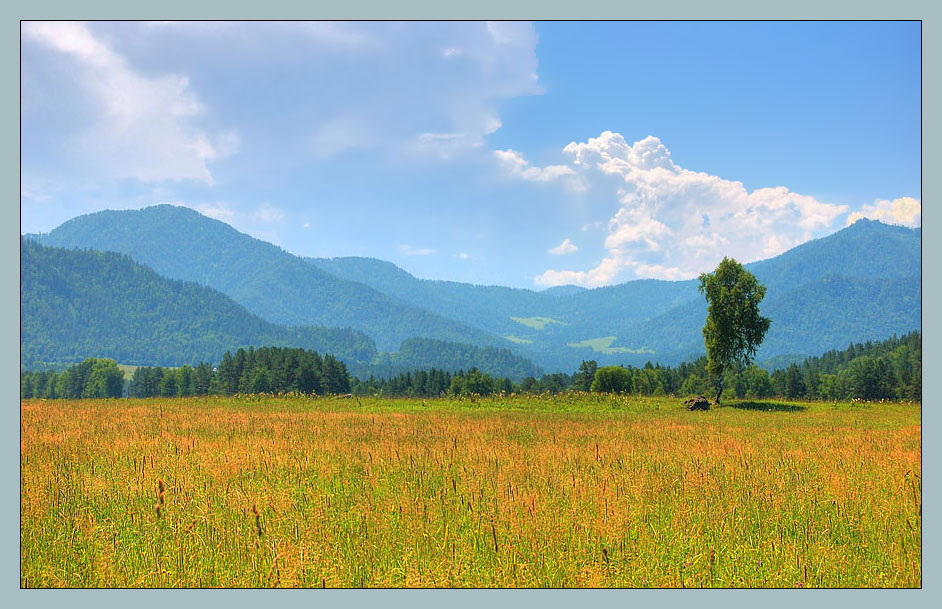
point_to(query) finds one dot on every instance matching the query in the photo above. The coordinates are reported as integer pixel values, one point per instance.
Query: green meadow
(573, 490)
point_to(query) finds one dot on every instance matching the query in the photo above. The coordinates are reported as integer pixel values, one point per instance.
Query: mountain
(88, 303)
(861, 283)
(180, 243)
(487, 308)
(424, 353)
(836, 310)
(81, 303)
(866, 249)
(564, 290)
(817, 316)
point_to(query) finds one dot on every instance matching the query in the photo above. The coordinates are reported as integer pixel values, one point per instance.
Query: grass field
(582, 490)
(537, 323)
(603, 344)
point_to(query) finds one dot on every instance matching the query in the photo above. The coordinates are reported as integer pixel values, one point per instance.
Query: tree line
(890, 369)
(885, 370)
(92, 378)
(263, 370)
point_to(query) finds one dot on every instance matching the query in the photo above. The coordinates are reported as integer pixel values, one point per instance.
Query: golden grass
(509, 492)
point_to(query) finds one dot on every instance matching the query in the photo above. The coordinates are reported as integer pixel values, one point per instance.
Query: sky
(509, 153)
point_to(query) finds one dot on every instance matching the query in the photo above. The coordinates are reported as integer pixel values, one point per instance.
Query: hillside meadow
(575, 490)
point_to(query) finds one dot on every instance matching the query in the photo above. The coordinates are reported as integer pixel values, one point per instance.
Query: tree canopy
(734, 328)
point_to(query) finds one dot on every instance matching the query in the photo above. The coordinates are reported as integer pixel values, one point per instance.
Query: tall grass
(523, 491)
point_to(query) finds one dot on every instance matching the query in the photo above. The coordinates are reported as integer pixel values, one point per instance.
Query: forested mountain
(812, 318)
(495, 307)
(77, 304)
(83, 303)
(867, 249)
(861, 283)
(485, 307)
(417, 353)
(180, 243)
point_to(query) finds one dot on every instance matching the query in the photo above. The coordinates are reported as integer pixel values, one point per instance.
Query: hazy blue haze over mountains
(861, 283)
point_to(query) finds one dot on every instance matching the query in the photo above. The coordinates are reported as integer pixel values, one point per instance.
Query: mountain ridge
(631, 322)
(69, 312)
(180, 243)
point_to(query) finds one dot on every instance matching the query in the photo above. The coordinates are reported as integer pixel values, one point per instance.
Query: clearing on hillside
(603, 344)
(537, 323)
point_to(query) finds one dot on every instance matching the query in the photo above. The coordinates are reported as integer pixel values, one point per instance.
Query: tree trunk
(719, 392)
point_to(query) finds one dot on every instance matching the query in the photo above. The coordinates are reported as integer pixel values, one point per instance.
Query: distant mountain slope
(817, 316)
(867, 249)
(564, 290)
(80, 303)
(182, 244)
(489, 307)
(424, 353)
(577, 313)
(835, 310)
(631, 322)
(662, 320)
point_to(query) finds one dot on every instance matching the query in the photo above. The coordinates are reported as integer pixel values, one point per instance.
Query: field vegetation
(603, 344)
(520, 491)
(537, 323)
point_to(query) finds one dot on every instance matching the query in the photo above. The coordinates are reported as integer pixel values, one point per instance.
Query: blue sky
(522, 154)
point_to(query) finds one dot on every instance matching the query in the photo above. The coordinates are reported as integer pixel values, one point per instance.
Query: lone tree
(734, 328)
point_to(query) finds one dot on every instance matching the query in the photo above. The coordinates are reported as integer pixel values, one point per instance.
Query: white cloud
(408, 250)
(673, 223)
(423, 88)
(144, 128)
(463, 255)
(259, 222)
(566, 247)
(268, 214)
(905, 211)
(443, 145)
(341, 133)
(34, 192)
(218, 211)
(334, 33)
(515, 165)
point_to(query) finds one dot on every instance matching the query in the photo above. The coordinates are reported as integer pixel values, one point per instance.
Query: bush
(611, 379)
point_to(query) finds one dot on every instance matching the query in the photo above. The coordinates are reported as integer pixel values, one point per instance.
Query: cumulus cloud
(674, 223)
(513, 163)
(566, 247)
(905, 211)
(408, 250)
(145, 124)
